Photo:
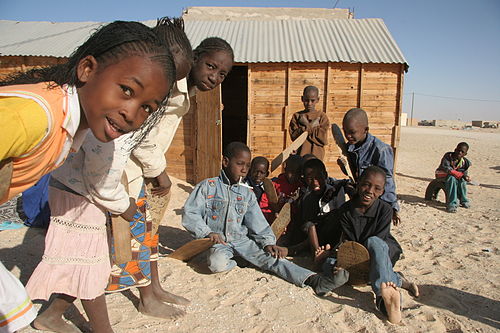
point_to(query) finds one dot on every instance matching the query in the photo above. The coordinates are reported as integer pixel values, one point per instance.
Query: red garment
(264, 207)
(284, 189)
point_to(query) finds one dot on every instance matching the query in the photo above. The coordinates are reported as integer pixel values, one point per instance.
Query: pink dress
(76, 260)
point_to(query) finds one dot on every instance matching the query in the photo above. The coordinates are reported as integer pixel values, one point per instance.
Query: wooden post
(360, 85)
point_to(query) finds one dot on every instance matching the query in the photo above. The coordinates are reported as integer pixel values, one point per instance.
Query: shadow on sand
(479, 308)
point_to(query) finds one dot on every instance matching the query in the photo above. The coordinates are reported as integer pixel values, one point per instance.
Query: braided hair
(108, 45)
(212, 44)
(171, 32)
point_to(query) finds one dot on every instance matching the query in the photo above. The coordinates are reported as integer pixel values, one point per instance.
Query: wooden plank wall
(275, 91)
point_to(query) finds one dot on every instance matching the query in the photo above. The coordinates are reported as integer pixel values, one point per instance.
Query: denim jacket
(375, 152)
(230, 210)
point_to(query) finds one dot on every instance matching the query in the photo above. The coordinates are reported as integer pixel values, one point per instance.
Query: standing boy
(365, 150)
(454, 167)
(226, 211)
(315, 122)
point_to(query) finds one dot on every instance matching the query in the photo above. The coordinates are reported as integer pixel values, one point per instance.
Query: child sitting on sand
(364, 150)
(259, 170)
(288, 183)
(454, 167)
(226, 211)
(320, 200)
(367, 220)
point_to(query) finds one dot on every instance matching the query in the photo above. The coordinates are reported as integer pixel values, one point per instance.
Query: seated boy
(321, 199)
(289, 182)
(367, 220)
(454, 167)
(315, 122)
(227, 212)
(259, 170)
(364, 150)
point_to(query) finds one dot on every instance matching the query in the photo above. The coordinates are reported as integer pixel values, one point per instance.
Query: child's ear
(267, 173)
(225, 161)
(367, 129)
(85, 68)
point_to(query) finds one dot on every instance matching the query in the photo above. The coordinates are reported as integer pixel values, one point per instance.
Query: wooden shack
(264, 88)
(354, 63)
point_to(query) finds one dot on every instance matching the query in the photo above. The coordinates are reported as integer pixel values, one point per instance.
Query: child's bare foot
(392, 301)
(165, 296)
(410, 286)
(155, 308)
(322, 253)
(52, 324)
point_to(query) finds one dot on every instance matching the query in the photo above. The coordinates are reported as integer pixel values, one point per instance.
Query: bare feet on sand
(51, 324)
(322, 253)
(410, 286)
(155, 308)
(392, 301)
(165, 296)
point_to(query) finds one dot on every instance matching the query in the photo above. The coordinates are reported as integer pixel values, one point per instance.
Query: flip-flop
(9, 225)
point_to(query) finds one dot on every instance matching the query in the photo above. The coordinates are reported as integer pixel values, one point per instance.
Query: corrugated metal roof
(337, 40)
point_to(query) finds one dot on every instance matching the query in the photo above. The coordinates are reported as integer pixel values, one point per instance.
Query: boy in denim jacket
(226, 211)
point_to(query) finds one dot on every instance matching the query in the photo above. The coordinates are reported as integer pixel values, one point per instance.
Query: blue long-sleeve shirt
(230, 210)
(375, 152)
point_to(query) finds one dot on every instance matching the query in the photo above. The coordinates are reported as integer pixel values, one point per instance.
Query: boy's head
(355, 126)
(236, 161)
(259, 169)
(461, 150)
(370, 185)
(315, 175)
(293, 168)
(310, 97)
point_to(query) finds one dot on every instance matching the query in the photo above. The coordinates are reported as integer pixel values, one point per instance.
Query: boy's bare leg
(392, 301)
(151, 305)
(161, 293)
(322, 253)
(313, 239)
(51, 319)
(97, 312)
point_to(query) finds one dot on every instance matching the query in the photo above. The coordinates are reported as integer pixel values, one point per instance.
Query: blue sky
(452, 46)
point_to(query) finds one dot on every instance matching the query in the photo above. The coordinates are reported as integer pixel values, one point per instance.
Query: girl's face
(117, 99)
(210, 69)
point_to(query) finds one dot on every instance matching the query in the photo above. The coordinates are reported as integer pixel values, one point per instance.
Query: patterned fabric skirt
(76, 258)
(137, 272)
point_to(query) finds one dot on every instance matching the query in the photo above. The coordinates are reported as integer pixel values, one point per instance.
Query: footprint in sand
(452, 325)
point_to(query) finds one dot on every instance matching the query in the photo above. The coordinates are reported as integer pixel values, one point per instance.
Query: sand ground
(453, 257)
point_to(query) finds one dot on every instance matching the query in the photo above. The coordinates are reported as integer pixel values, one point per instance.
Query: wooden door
(208, 133)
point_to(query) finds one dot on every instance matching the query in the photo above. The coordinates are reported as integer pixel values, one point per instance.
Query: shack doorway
(235, 102)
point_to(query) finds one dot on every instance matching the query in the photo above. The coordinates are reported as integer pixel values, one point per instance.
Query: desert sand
(454, 258)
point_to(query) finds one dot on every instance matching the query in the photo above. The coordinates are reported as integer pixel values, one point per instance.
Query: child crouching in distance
(259, 170)
(366, 219)
(454, 167)
(226, 211)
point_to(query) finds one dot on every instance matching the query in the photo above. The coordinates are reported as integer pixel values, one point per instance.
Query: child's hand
(163, 185)
(276, 251)
(216, 238)
(396, 220)
(467, 178)
(131, 210)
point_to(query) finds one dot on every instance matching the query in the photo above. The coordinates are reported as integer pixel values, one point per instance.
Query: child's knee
(219, 262)
(376, 242)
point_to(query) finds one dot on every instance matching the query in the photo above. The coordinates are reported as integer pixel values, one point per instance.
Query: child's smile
(370, 188)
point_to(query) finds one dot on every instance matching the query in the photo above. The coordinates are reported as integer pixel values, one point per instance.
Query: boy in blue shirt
(364, 150)
(226, 211)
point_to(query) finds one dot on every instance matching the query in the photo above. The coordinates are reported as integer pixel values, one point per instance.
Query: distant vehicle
(490, 125)
(425, 123)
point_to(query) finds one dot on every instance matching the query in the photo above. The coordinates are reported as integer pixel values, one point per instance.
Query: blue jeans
(220, 260)
(380, 264)
(456, 190)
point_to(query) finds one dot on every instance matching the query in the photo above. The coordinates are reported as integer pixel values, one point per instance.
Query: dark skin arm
(131, 210)
(216, 238)
(276, 251)
(162, 184)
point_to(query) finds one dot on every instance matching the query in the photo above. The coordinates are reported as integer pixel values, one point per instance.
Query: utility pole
(411, 116)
